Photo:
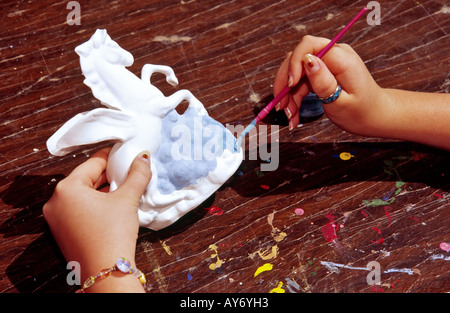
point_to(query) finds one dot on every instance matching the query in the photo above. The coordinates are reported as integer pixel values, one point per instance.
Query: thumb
(138, 177)
(322, 81)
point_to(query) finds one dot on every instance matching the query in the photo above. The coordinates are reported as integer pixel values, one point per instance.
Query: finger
(320, 78)
(297, 95)
(90, 172)
(294, 120)
(137, 179)
(308, 45)
(102, 180)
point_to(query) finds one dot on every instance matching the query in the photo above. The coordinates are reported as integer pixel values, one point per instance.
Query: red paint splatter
(376, 289)
(329, 232)
(379, 242)
(388, 214)
(364, 212)
(266, 187)
(417, 156)
(414, 218)
(330, 217)
(214, 210)
(438, 195)
(376, 229)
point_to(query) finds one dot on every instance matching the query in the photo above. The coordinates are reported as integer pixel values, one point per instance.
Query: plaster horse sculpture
(139, 117)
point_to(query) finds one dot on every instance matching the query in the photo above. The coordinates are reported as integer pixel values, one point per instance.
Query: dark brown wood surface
(388, 203)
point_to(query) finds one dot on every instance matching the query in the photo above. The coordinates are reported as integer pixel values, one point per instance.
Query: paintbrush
(286, 90)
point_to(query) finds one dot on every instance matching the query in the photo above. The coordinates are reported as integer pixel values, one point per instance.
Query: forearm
(418, 117)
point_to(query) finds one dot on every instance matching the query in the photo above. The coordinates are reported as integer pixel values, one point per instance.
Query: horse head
(102, 44)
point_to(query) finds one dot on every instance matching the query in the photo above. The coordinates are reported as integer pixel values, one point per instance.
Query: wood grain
(227, 53)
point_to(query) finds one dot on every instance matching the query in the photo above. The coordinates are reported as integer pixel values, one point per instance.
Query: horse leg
(176, 98)
(149, 69)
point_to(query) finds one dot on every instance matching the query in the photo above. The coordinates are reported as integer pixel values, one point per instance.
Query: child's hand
(95, 228)
(360, 108)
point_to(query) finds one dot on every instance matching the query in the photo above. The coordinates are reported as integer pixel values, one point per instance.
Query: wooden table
(386, 202)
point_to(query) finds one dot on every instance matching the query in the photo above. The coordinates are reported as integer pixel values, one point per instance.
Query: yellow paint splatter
(268, 254)
(264, 268)
(346, 156)
(218, 262)
(278, 288)
(277, 234)
(166, 247)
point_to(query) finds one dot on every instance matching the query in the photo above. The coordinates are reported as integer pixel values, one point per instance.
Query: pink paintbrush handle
(322, 52)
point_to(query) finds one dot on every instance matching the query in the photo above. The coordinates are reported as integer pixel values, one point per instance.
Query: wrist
(385, 114)
(93, 261)
(121, 277)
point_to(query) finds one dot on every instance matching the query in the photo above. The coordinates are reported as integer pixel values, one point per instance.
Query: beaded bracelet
(122, 265)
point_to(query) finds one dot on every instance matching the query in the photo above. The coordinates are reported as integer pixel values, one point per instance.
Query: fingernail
(291, 126)
(290, 81)
(278, 106)
(144, 156)
(288, 113)
(311, 64)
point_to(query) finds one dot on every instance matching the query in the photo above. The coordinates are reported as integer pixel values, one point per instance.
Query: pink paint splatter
(445, 246)
(215, 210)
(299, 211)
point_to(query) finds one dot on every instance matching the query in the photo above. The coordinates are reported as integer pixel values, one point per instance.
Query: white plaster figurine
(139, 117)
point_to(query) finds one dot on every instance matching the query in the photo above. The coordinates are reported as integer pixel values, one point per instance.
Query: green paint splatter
(259, 173)
(378, 202)
(399, 184)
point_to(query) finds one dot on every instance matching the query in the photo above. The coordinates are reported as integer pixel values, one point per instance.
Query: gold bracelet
(122, 265)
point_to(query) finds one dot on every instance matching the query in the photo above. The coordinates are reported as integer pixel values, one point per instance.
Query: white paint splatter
(445, 9)
(334, 267)
(223, 26)
(300, 27)
(440, 257)
(254, 97)
(172, 39)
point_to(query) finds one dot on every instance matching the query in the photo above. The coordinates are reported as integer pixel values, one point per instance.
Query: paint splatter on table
(336, 202)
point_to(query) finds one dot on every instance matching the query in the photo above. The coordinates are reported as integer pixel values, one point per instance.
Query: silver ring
(333, 96)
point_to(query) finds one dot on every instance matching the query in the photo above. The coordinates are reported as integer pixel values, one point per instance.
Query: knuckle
(306, 39)
(61, 187)
(46, 211)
